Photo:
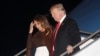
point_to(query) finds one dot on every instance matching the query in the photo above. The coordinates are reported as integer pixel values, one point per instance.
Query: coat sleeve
(74, 33)
(28, 45)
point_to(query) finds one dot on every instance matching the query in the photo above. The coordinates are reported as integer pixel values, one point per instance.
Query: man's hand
(69, 49)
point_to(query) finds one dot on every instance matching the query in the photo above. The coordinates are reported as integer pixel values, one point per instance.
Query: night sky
(16, 16)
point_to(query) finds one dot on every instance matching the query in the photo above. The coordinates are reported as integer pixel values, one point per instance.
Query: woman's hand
(31, 27)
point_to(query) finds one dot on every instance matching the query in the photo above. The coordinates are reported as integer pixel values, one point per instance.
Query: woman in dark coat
(41, 40)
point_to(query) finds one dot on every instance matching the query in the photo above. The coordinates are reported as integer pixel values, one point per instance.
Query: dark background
(15, 19)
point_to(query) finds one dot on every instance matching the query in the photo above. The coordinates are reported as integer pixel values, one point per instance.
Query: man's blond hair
(58, 6)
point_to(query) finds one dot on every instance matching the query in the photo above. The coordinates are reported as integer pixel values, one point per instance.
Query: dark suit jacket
(68, 34)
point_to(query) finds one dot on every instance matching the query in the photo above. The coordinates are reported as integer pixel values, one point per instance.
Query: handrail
(22, 51)
(83, 41)
(84, 32)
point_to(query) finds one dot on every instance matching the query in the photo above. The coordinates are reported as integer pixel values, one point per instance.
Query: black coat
(68, 34)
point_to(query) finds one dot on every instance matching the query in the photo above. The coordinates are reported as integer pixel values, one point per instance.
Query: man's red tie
(54, 36)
